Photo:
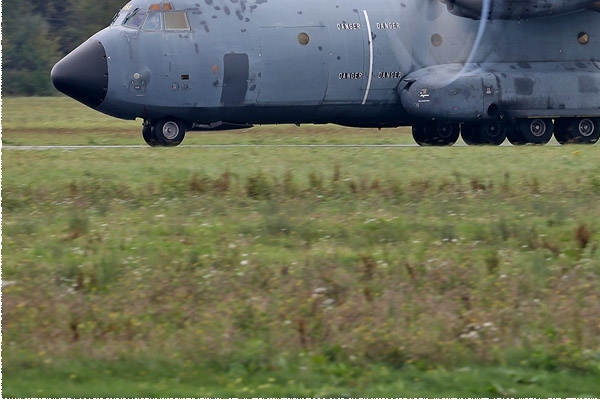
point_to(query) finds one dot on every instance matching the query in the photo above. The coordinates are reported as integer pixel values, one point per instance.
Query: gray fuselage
(344, 62)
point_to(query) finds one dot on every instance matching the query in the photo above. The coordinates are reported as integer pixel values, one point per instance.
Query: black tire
(419, 133)
(514, 135)
(471, 133)
(561, 130)
(536, 130)
(585, 130)
(444, 134)
(168, 132)
(493, 132)
(147, 135)
(484, 133)
(436, 134)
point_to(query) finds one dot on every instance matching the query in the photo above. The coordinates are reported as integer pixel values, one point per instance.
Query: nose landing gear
(167, 132)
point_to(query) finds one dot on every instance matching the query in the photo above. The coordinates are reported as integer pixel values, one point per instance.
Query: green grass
(267, 271)
(310, 377)
(62, 121)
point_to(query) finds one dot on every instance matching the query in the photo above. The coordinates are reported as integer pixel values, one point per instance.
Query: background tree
(37, 33)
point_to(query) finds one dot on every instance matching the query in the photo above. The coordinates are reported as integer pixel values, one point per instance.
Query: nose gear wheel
(164, 132)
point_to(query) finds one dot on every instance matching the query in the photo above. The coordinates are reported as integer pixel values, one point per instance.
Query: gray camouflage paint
(366, 63)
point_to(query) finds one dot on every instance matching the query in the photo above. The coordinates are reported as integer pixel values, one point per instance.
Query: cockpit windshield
(153, 21)
(158, 17)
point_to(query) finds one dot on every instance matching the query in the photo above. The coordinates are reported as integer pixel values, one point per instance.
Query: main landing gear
(530, 131)
(535, 131)
(436, 134)
(484, 133)
(167, 132)
(577, 130)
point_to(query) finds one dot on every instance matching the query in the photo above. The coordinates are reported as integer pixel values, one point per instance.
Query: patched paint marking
(524, 65)
(239, 10)
(588, 84)
(524, 86)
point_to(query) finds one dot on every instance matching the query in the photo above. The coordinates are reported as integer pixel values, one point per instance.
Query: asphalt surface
(209, 146)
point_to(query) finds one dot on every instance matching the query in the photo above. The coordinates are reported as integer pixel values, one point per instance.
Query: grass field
(293, 271)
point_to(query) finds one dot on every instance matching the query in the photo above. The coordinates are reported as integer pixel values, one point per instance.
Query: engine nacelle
(502, 90)
(517, 9)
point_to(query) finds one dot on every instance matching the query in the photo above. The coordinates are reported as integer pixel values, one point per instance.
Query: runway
(459, 143)
(214, 146)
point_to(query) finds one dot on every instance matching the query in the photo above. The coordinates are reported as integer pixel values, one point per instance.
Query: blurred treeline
(37, 33)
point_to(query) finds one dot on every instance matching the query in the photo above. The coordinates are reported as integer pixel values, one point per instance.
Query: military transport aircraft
(487, 69)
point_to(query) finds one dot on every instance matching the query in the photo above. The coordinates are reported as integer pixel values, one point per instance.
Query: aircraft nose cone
(83, 74)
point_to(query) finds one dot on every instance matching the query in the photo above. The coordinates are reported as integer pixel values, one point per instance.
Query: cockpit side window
(176, 21)
(134, 19)
(153, 22)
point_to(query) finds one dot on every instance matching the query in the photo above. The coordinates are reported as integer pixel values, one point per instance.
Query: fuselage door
(235, 79)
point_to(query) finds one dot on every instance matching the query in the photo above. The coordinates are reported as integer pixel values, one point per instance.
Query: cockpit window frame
(176, 26)
(137, 16)
(157, 27)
